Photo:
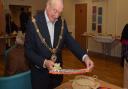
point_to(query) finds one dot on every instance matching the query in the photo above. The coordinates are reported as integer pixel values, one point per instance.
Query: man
(124, 42)
(45, 38)
(125, 85)
(124, 54)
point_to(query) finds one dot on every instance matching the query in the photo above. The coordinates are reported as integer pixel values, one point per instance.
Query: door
(15, 12)
(2, 28)
(2, 21)
(81, 23)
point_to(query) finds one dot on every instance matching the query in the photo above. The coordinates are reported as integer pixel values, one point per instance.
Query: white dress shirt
(50, 28)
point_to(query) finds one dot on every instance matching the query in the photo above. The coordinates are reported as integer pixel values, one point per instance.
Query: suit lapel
(41, 22)
(57, 30)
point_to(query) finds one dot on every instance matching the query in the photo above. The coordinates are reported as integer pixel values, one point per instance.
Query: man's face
(54, 11)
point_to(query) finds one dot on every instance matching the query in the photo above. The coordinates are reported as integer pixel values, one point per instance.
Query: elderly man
(45, 38)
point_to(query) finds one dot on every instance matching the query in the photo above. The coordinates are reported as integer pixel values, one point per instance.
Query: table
(7, 36)
(67, 85)
(107, 41)
(9, 39)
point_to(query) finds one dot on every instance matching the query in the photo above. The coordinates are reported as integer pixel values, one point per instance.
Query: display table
(68, 85)
(7, 40)
(107, 41)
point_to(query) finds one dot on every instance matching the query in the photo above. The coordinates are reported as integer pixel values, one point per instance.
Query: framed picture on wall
(99, 28)
(99, 19)
(94, 10)
(99, 10)
(94, 26)
(94, 18)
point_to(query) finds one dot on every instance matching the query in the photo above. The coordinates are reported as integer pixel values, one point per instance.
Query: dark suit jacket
(36, 52)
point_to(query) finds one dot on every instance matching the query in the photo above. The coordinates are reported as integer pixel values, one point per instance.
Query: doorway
(2, 22)
(81, 24)
(15, 11)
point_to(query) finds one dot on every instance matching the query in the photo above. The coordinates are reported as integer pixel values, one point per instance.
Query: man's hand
(89, 63)
(49, 64)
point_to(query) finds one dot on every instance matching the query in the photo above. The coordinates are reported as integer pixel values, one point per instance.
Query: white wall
(69, 15)
(115, 17)
(122, 15)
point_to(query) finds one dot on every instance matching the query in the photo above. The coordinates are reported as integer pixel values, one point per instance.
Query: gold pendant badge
(53, 57)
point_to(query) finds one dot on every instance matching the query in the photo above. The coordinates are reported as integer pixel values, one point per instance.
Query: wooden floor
(106, 68)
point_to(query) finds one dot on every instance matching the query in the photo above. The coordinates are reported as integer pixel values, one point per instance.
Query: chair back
(17, 81)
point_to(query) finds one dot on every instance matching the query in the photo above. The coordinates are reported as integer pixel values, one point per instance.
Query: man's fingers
(49, 64)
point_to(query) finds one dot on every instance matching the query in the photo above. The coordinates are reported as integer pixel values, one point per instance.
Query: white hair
(53, 2)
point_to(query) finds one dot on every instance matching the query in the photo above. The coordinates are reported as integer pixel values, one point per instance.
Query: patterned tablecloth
(104, 85)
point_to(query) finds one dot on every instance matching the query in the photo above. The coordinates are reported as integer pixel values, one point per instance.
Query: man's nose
(57, 15)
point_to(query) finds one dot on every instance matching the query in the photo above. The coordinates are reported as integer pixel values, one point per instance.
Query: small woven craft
(85, 82)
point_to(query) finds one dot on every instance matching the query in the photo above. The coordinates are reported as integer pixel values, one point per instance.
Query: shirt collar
(46, 16)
